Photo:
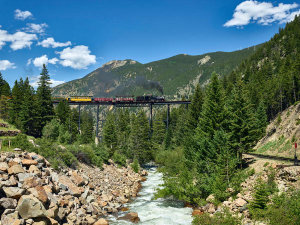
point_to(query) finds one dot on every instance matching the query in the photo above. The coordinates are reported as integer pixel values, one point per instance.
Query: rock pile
(31, 192)
(285, 178)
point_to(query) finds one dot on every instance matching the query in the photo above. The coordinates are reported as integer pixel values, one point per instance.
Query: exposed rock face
(33, 193)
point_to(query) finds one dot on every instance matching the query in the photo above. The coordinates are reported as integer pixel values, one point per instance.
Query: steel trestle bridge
(122, 104)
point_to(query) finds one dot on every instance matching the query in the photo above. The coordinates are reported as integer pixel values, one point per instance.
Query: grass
(280, 147)
(10, 127)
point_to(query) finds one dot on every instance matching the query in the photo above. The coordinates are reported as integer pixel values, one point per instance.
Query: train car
(103, 99)
(150, 98)
(80, 99)
(124, 99)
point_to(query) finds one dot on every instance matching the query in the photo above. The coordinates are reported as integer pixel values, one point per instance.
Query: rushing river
(155, 212)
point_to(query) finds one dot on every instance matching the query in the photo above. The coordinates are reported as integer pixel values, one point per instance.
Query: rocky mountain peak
(116, 63)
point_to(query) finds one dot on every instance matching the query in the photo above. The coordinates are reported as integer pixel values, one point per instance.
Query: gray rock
(8, 203)
(13, 192)
(31, 207)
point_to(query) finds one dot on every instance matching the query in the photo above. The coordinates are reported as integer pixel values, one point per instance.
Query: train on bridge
(117, 99)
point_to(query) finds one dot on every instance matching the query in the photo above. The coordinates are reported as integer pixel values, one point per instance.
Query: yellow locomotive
(80, 99)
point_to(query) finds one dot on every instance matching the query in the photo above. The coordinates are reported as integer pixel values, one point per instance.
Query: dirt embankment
(34, 193)
(281, 134)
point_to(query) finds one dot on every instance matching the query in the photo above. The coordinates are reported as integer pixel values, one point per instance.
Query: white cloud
(39, 61)
(34, 81)
(22, 15)
(262, 12)
(35, 28)
(49, 42)
(19, 40)
(5, 64)
(78, 57)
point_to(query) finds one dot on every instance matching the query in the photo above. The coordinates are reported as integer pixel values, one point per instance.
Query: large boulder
(66, 184)
(132, 217)
(15, 169)
(29, 162)
(10, 217)
(3, 166)
(240, 202)
(30, 207)
(13, 192)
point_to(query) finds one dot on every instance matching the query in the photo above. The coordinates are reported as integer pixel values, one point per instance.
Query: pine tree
(242, 121)
(15, 103)
(140, 142)
(45, 111)
(27, 110)
(110, 138)
(123, 131)
(4, 87)
(159, 129)
(63, 111)
(195, 108)
(213, 115)
(87, 128)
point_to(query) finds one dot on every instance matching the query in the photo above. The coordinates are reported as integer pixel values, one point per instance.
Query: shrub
(86, 154)
(119, 159)
(51, 130)
(21, 142)
(135, 165)
(217, 219)
(102, 152)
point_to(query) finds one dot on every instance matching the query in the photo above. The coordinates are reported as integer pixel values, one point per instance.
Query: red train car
(103, 99)
(124, 99)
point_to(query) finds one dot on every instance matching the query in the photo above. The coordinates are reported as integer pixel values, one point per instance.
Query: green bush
(22, 142)
(102, 152)
(57, 156)
(217, 219)
(135, 165)
(119, 159)
(51, 130)
(284, 210)
(86, 154)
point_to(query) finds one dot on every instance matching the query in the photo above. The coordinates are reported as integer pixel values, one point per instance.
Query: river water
(155, 212)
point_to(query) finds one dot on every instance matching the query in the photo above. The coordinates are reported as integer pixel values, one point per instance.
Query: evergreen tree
(195, 108)
(63, 111)
(27, 110)
(242, 122)
(45, 111)
(140, 143)
(15, 104)
(123, 131)
(110, 138)
(87, 128)
(4, 87)
(159, 129)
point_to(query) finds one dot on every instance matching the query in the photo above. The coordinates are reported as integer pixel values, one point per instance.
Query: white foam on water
(155, 212)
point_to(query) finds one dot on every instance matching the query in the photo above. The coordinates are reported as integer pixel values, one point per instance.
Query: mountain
(272, 74)
(174, 77)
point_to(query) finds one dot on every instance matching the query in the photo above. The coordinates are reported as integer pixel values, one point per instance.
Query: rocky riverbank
(34, 193)
(285, 177)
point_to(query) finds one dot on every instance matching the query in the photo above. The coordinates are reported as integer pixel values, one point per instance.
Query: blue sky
(74, 37)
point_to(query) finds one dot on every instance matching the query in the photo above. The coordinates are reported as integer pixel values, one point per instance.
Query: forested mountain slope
(272, 74)
(176, 76)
